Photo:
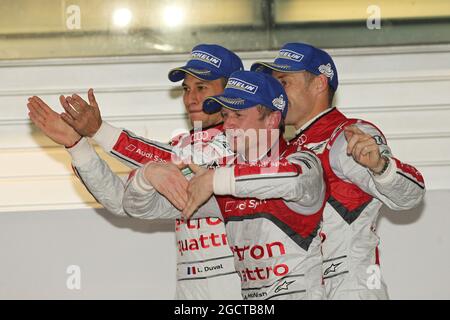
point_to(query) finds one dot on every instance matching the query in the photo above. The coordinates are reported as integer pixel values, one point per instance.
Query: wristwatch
(386, 165)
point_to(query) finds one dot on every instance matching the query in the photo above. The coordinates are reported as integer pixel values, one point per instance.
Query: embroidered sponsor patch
(279, 103)
(261, 68)
(235, 101)
(281, 66)
(327, 70)
(198, 71)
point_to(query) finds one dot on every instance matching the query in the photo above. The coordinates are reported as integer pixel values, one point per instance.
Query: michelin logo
(291, 55)
(327, 70)
(206, 57)
(242, 85)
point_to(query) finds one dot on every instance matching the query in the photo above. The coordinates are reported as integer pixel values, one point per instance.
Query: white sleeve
(130, 149)
(297, 179)
(107, 136)
(98, 178)
(142, 201)
(396, 188)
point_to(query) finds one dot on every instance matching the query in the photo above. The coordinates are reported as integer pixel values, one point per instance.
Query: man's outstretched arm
(143, 200)
(104, 185)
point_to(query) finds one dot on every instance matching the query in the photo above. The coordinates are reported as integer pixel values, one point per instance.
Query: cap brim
(268, 67)
(178, 74)
(215, 104)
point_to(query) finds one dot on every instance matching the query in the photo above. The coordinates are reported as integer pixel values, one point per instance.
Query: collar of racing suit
(314, 120)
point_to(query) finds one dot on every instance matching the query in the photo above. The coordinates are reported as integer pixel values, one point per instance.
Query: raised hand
(200, 189)
(364, 149)
(168, 180)
(50, 123)
(84, 117)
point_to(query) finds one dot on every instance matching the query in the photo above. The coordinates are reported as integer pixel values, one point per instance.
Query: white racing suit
(272, 211)
(205, 267)
(350, 244)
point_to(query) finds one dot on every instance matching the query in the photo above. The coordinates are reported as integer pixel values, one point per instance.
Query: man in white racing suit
(204, 260)
(361, 172)
(271, 195)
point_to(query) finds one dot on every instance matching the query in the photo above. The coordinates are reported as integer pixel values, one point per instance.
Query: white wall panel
(54, 162)
(378, 94)
(43, 193)
(114, 102)
(396, 121)
(77, 73)
(414, 251)
(119, 258)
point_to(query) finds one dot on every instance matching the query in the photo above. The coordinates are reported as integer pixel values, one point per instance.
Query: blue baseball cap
(295, 57)
(208, 62)
(246, 89)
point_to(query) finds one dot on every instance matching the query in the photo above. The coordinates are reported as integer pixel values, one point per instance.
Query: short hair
(224, 81)
(309, 77)
(331, 92)
(264, 112)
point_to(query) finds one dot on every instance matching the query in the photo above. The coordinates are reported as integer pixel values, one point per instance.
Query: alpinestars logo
(279, 103)
(284, 286)
(327, 70)
(331, 268)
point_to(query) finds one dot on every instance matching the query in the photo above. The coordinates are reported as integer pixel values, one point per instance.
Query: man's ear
(273, 120)
(321, 83)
